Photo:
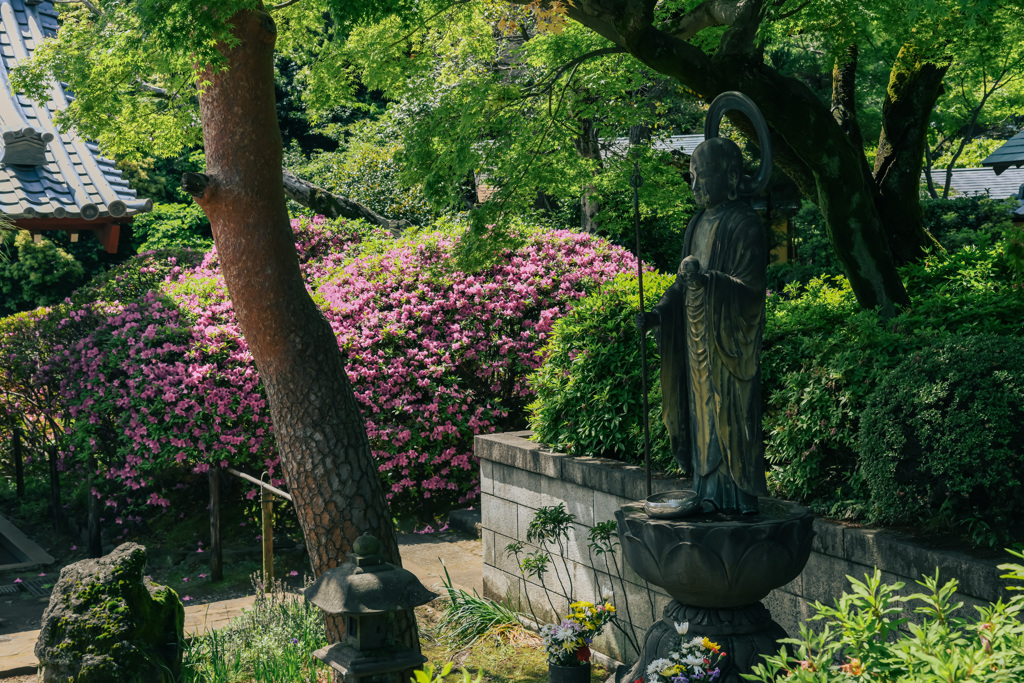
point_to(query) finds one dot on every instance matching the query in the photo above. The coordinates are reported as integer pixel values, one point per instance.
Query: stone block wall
(519, 476)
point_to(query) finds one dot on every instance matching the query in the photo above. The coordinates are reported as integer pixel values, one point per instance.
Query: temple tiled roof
(45, 173)
(974, 181)
(1010, 154)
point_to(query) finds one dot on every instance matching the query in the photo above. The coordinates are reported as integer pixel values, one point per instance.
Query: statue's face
(714, 176)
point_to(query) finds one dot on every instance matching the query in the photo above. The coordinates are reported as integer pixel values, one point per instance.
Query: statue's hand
(691, 274)
(645, 321)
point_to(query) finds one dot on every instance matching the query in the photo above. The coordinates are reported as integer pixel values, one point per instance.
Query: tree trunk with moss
(914, 86)
(318, 426)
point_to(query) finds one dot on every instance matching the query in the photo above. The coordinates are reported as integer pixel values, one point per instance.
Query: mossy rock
(106, 622)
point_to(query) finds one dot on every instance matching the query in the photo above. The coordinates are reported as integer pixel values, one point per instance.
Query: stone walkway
(423, 555)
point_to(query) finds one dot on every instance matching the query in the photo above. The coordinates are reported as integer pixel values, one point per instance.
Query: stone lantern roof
(51, 180)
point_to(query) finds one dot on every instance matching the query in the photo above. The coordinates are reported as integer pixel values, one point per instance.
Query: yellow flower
(609, 607)
(709, 645)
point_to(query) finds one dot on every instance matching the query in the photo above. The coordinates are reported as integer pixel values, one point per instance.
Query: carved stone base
(743, 633)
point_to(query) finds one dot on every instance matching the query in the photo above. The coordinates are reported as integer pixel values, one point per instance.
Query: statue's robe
(710, 340)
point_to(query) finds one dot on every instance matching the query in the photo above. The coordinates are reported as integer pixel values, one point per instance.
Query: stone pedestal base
(743, 633)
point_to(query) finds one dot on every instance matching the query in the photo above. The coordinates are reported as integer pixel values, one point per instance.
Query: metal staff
(637, 182)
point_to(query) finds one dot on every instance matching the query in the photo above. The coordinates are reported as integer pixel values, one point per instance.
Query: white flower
(607, 594)
(682, 628)
(564, 633)
(693, 661)
(697, 640)
(657, 665)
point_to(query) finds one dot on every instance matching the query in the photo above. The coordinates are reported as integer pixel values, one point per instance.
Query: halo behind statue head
(736, 101)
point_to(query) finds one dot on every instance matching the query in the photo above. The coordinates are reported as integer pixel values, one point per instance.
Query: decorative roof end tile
(26, 147)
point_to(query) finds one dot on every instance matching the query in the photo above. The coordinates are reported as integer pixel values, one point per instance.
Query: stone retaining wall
(518, 476)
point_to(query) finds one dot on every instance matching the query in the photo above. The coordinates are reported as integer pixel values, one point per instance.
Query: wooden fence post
(19, 466)
(95, 531)
(216, 556)
(56, 514)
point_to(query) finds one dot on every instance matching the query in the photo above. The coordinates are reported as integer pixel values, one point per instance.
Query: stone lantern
(367, 592)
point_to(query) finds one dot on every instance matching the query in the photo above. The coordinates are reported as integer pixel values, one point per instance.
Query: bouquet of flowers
(695, 660)
(568, 643)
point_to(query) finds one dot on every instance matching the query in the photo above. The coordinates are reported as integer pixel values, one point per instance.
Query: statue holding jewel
(711, 321)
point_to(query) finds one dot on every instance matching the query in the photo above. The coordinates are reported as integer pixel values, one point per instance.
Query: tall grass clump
(468, 617)
(273, 641)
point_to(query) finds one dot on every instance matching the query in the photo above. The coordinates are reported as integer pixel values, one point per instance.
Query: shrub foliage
(589, 399)
(145, 378)
(944, 434)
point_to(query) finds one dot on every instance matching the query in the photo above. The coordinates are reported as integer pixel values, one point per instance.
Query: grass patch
(273, 641)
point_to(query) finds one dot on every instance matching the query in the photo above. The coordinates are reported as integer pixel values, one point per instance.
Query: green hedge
(825, 362)
(942, 437)
(589, 399)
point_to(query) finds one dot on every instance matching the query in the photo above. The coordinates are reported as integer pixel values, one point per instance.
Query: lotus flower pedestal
(717, 568)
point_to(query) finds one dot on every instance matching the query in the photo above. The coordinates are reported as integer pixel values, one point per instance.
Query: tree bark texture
(914, 86)
(589, 147)
(318, 426)
(844, 96)
(813, 149)
(333, 206)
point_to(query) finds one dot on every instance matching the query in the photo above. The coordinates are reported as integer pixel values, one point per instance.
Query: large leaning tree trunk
(319, 430)
(820, 151)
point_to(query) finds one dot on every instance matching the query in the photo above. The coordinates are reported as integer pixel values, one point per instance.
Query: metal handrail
(272, 489)
(267, 510)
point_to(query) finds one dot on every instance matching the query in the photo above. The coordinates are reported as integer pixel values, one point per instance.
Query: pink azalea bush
(157, 379)
(437, 356)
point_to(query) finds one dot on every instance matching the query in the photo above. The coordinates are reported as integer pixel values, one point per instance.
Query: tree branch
(739, 39)
(91, 7)
(552, 78)
(154, 90)
(844, 95)
(333, 206)
(284, 4)
(705, 15)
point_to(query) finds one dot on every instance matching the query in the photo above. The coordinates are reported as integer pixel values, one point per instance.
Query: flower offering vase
(569, 674)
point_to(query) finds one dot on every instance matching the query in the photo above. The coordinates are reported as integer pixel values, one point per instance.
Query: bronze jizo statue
(711, 320)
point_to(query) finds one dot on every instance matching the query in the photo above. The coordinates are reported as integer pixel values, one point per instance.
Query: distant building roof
(977, 181)
(46, 174)
(674, 143)
(974, 181)
(1010, 154)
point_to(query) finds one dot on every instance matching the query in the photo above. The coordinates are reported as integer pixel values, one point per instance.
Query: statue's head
(715, 169)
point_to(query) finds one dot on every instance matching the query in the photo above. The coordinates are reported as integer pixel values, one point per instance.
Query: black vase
(569, 674)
